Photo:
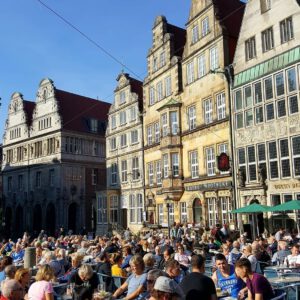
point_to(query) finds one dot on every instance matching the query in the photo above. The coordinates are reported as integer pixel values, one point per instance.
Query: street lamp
(168, 203)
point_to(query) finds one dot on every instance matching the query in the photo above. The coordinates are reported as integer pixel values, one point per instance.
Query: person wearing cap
(152, 276)
(196, 285)
(11, 290)
(166, 288)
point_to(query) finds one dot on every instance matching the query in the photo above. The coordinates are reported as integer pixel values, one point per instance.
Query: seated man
(18, 254)
(224, 277)
(11, 290)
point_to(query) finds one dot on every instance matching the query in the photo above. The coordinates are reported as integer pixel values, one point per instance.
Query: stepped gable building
(53, 160)
(122, 205)
(212, 32)
(266, 107)
(162, 119)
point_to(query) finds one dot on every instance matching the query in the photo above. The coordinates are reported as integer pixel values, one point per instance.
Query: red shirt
(3, 298)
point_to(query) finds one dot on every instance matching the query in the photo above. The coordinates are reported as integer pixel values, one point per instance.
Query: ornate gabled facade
(53, 160)
(122, 205)
(212, 32)
(266, 107)
(162, 122)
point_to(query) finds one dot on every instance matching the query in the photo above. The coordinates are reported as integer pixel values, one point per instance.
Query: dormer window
(122, 97)
(265, 5)
(94, 125)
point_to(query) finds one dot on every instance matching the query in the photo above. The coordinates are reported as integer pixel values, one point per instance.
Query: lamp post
(168, 200)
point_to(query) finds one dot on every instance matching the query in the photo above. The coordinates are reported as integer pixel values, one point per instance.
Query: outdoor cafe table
(283, 281)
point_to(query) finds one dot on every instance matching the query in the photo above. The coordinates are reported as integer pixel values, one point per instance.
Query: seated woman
(75, 264)
(182, 258)
(259, 288)
(135, 285)
(23, 277)
(85, 283)
(42, 288)
(116, 269)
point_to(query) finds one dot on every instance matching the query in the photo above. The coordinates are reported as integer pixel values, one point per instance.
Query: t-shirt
(38, 289)
(260, 285)
(197, 286)
(134, 282)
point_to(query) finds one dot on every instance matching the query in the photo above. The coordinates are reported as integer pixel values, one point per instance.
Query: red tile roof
(76, 111)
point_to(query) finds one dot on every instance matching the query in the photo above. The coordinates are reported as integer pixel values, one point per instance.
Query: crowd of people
(149, 266)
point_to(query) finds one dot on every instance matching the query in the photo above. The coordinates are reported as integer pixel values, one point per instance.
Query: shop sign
(209, 186)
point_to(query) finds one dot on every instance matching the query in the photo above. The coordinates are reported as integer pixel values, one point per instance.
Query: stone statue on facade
(241, 177)
(261, 175)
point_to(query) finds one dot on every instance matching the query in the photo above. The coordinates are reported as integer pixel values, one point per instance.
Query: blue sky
(35, 44)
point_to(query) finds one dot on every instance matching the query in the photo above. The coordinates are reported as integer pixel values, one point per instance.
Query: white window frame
(150, 174)
(113, 122)
(113, 143)
(171, 214)
(135, 168)
(168, 86)
(164, 122)
(295, 156)
(122, 97)
(134, 136)
(212, 211)
(132, 113)
(123, 138)
(205, 26)
(160, 214)
(114, 172)
(175, 164)
(192, 117)
(194, 165)
(250, 48)
(208, 111)
(183, 212)
(190, 72)
(114, 209)
(286, 30)
(162, 59)
(149, 135)
(132, 207)
(210, 161)
(201, 65)
(214, 58)
(221, 106)
(122, 116)
(156, 132)
(139, 208)
(174, 122)
(195, 34)
(158, 172)
(160, 92)
(151, 95)
(124, 170)
(267, 39)
(165, 165)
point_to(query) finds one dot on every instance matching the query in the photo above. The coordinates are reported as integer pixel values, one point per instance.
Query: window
(124, 170)
(195, 34)
(114, 208)
(212, 211)
(158, 172)
(9, 184)
(113, 123)
(270, 111)
(275, 200)
(164, 121)
(94, 176)
(286, 30)
(242, 160)
(157, 132)
(221, 106)
(296, 155)
(281, 111)
(192, 117)
(226, 207)
(285, 159)
(174, 122)
(159, 88)
(239, 120)
(155, 66)
(149, 135)
(210, 161)
(238, 100)
(168, 86)
(190, 72)
(139, 208)
(279, 81)
(122, 97)
(249, 117)
(205, 26)
(94, 125)
(268, 88)
(248, 96)
(160, 214)
(150, 174)
(151, 96)
(201, 66)
(51, 177)
(38, 179)
(292, 80)
(114, 172)
(132, 113)
(252, 163)
(265, 5)
(20, 152)
(183, 212)
(124, 140)
(261, 153)
(134, 136)
(171, 213)
(113, 144)
(208, 111)
(267, 39)
(122, 116)
(175, 164)
(214, 59)
(38, 148)
(20, 183)
(9, 155)
(293, 104)
(250, 48)
(257, 92)
(102, 210)
(194, 164)
(162, 59)
(273, 157)
(259, 114)
(135, 168)
(132, 208)
(166, 165)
